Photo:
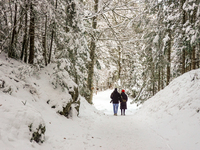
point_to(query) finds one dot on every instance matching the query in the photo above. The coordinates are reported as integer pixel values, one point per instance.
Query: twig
(24, 102)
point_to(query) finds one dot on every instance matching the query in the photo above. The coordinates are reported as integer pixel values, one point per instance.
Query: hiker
(116, 98)
(123, 101)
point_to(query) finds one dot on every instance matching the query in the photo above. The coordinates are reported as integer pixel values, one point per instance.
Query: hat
(123, 91)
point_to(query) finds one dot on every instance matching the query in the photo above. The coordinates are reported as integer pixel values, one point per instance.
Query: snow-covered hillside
(30, 98)
(174, 113)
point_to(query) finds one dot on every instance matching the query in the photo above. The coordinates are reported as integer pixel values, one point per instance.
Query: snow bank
(176, 111)
(28, 94)
(16, 118)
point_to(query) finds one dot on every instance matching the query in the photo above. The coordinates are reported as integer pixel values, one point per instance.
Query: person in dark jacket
(123, 101)
(116, 98)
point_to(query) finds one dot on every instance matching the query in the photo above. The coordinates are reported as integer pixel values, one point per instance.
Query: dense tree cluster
(137, 45)
(171, 45)
(40, 32)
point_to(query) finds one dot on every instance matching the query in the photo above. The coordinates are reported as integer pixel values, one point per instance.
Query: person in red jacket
(123, 101)
(116, 98)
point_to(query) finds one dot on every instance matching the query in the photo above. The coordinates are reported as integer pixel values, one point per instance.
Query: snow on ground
(168, 121)
(174, 113)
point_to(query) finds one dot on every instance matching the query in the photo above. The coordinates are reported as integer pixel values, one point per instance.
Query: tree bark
(32, 34)
(52, 37)
(169, 48)
(153, 78)
(119, 63)
(193, 46)
(198, 56)
(160, 60)
(159, 78)
(50, 51)
(169, 57)
(183, 61)
(24, 44)
(11, 52)
(92, 54)
(183, 22)
(162, 78)
(44, 42)
(193, 58)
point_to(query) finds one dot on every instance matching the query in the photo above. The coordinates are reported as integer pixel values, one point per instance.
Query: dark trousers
(123, 112)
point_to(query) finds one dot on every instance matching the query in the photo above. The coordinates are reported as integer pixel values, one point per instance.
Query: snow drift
(25, 91)
(174, 112)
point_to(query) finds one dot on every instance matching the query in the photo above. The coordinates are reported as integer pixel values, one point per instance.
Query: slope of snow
(169, 121)
(174, 113)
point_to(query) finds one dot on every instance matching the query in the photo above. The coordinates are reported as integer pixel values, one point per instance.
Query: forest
(138, 45)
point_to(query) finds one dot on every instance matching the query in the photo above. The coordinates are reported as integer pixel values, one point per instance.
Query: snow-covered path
(119, 133)
(128, 132)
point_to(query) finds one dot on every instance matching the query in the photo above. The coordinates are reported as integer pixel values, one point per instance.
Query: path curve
(109, 132)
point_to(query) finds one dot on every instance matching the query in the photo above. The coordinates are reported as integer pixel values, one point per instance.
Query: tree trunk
(183, 51)
(52, 36)
(21, 10)
(24, 44)
(160, 61)
(193, 58)
(159, 78)
(50, 51)
(169, 57)
(119, 63)
(198, 56)
(190, 56)
(91, 69)
(183, 61)
(44, 36)
(193, 46)
(153, 78)
(92, 54)
(11, 52)
(31, 34)
(162, 78)
(26, 32)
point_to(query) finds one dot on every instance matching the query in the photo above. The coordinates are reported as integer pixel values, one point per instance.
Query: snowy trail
(121, 132)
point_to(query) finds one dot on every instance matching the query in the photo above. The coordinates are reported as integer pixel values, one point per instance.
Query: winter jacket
(115, 96)
(123, 101)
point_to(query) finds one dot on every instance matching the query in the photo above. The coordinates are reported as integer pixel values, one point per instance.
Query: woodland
(138, 45)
